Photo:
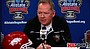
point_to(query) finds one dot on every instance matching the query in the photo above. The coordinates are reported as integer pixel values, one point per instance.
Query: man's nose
(42, 15)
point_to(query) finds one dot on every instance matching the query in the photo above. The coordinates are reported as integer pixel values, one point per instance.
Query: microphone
(43, 34)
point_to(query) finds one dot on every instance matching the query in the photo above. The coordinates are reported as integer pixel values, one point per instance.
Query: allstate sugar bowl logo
(70, 7)
(18, 7)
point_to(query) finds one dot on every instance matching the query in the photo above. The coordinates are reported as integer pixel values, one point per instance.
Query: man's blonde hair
(50, 2)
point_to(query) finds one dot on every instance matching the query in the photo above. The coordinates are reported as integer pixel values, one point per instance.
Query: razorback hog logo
(15, 41)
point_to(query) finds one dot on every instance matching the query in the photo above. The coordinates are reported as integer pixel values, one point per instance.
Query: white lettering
(17, 5)
(69, 4)
(75, 21)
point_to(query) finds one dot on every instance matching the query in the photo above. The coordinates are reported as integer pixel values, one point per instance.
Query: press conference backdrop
(78, 25)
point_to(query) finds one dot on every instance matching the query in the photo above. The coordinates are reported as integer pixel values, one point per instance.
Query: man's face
(45, 14)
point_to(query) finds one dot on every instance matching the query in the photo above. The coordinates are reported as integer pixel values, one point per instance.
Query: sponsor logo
(82, 45)
(70, 7)
(18, 7)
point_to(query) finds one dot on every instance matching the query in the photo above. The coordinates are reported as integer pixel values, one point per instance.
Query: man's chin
(44, 24)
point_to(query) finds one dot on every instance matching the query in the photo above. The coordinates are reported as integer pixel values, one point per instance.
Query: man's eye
(39, 12)
(46, 13)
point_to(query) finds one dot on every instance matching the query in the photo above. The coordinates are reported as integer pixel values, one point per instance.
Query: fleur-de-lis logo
(70, 1)
(18, 1)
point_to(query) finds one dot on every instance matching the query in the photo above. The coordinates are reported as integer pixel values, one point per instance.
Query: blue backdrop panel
(77, 29)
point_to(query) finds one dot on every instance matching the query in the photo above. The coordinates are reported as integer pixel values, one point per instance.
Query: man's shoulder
(33, 20)
(59, 22)
(59, 19)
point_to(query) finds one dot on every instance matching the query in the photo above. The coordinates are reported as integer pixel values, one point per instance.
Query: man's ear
(54, 13)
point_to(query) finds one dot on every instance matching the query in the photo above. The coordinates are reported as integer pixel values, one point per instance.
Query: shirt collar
(47, 27)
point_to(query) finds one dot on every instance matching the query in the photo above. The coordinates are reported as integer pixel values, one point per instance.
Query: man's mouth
(43, 20)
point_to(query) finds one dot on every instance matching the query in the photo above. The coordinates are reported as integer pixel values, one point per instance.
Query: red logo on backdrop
(18, 7)
(77, 45)
(71, 45)
(70, 7)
